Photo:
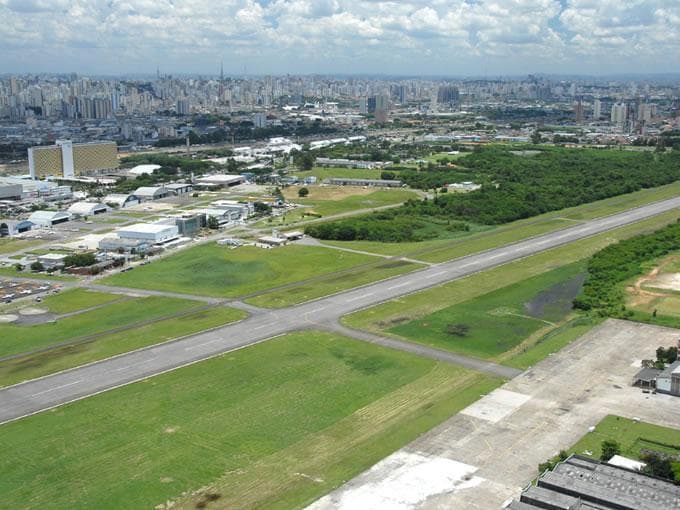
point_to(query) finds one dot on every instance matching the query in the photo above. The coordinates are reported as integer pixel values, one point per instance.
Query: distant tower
(158, 72)
(221, 80)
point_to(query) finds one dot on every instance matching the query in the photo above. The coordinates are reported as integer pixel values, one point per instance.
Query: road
(40, 394)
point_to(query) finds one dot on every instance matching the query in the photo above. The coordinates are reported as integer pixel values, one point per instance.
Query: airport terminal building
(68, 160)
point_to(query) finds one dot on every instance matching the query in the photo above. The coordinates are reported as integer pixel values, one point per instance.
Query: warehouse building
(10, 191)
(123, 245)
(378, 183)
(9, 228)
(180, 188)
(121, 200)
(47, 219)
(147, 193)
(219, 181)
(153, 233)
(668, 381)
(80, 209)
(67, 159)
(587, 484)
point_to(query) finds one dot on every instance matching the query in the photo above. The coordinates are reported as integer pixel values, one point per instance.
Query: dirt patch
(32, 311)
(170, 430)
(10, 317)
(665, 281)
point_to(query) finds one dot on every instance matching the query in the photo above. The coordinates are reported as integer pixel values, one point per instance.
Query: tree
(80, 260)
(212, 223)
(657, 466)
(609, 449)
(303, 192)
(536, 137)
(18, 267)
(37, 266)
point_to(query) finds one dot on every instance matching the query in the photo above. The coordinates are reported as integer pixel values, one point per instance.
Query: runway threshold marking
(435, 275)
(57, 388)
(404, 284)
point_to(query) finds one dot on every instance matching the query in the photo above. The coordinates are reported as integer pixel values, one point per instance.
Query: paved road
(40, 394)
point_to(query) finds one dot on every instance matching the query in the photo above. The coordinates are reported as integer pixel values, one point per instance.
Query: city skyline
(443, 38)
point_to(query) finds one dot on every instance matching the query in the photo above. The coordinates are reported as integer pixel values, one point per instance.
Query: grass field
(8, 245)
(330, 284)
(274, 425)
(76, 299)
(496, 322)
(53, 360)
(328, 201)
(322, 173)
(415, 306)
(440, 250)
(632, 436)
(18, 339)
(213, 270)
(11, 272)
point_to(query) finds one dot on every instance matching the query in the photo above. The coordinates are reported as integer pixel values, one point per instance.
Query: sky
(411, 37)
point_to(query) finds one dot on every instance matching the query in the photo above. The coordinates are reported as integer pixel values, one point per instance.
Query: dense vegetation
(516, 187)
(607, 269)
(394, 225)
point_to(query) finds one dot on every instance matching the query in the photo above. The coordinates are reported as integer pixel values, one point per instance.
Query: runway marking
(196, 346)
(316, 310)
(359, 297)
(135, 364)
(260, 327)
(57, 388)
(404, 284)
(435, 275)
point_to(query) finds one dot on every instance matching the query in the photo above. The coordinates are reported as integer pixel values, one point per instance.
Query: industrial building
(180, 188)
(87, 208)
(47, 219)
(587, 484)
(219, 181)
(11, 191)
(9, 228)
(153, 233)
(349, 163)
(121, 200)
(665, 380)
(148, 193)
(124, 245)
(378, 183)
(66, 159)
(52, 260)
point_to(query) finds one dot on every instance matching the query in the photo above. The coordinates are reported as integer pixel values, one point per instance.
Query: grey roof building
(580, 483)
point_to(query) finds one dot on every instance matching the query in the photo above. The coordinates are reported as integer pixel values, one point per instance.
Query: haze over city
(460, 37)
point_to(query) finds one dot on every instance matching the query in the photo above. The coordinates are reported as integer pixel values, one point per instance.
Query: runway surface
(40, 394)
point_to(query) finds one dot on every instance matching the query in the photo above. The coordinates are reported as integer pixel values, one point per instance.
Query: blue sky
(442, 37)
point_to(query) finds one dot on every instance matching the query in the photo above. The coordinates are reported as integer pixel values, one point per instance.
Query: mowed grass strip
(140, 445)
(213, 270)
(331, 284)
(496, 322)
(69, 356)
(382, 317)
(17, 339)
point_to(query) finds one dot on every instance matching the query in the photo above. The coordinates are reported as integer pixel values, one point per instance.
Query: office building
(68, 160)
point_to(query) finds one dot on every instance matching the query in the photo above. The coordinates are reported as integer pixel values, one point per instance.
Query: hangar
(153, 233)
(47, 219)
(10, 228)
(87, 208)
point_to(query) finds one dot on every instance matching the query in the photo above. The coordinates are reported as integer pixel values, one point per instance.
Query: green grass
(322, 173)
(551, 342)
(499, 320)
(8, 245)
(631, 435)
(331, 284)
(323, 404)
(39, 364)
(18, 339)
(11, 272)
(440, 250)
(414, 306)
(76, 299)
(213, 270)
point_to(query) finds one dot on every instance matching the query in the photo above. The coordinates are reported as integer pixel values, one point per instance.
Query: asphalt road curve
(40, 394)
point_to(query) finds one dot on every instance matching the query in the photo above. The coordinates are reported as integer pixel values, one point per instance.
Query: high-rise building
(183, 107)
(260, 120)
(382, 108)
(66, 159)
(619, 114)
(597, 109)
(448, 94)
(579, 112)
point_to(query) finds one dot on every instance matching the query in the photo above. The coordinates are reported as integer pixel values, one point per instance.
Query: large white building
(153, 233)
(68, 160)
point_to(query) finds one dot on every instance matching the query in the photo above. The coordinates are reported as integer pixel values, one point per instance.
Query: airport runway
(40, 394)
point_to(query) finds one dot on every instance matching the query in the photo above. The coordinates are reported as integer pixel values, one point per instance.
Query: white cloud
(315, 35)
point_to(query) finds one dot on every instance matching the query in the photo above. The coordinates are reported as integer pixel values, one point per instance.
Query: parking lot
(15, 289)
(484, 455)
